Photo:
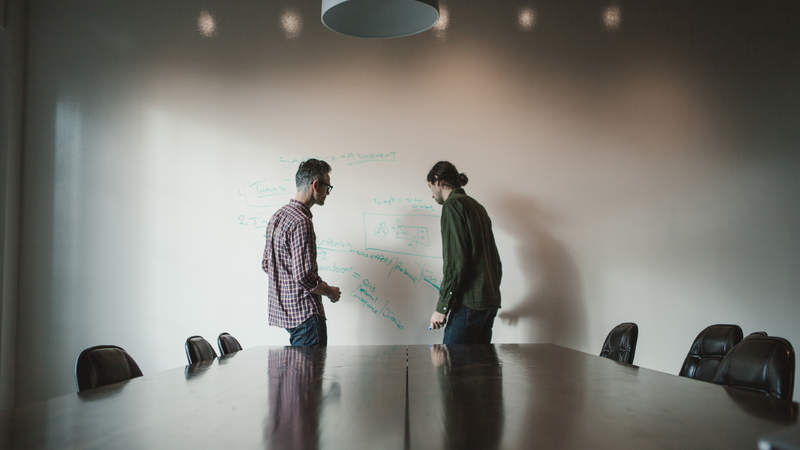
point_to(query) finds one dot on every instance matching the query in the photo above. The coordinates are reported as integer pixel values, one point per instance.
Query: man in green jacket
(470, 290)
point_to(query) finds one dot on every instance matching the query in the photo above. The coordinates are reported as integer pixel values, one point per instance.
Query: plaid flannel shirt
(290, 261)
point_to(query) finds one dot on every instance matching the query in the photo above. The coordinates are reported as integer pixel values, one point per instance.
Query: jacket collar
(455, 192)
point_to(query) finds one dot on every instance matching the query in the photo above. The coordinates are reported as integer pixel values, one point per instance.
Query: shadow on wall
(553, 301)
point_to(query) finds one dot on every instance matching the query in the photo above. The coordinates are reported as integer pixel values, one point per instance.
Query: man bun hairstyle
(447, 173)
(310, 170)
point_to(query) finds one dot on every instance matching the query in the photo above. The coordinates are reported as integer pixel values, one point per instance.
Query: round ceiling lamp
(379, 18)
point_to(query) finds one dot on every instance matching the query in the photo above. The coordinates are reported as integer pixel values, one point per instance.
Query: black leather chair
(620, 344)
(757, 333)
(768, 408)
(762, 364)
(104, 364)
(708, 349)
(227, 344)
(198, 349)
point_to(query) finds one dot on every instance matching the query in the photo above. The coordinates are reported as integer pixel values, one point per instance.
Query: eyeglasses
(329, 186)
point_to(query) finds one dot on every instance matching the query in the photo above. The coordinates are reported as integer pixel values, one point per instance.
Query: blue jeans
(469, 326)
(312, 331)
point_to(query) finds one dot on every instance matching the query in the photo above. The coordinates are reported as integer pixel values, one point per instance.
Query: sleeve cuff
(311, 284)
(443, 306)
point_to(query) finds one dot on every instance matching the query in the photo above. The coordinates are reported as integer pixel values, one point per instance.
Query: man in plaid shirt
(290, 260)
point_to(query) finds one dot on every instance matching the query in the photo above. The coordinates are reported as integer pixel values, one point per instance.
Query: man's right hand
(437, 320)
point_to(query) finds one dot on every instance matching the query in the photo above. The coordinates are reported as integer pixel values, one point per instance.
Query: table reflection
(193, 371)
(420, 397)
(471, 385)
(295, 397)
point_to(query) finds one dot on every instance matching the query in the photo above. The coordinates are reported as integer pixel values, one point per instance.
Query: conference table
(399, 397)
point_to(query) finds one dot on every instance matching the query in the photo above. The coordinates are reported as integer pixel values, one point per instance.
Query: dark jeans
(312, 331)
(469, 326)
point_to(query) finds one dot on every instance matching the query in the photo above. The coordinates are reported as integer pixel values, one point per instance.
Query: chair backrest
(620, 344)
(227, 344)
(198, 349)
(708, 349)
(756, 333)
(104, 364)
(763, 364)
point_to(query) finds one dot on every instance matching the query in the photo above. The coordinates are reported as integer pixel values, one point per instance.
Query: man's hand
(334, 293)
(437, 320)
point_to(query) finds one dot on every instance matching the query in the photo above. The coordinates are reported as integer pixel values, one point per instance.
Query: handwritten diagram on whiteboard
(404, 234)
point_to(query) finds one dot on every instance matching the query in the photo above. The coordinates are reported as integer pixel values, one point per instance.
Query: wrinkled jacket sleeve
(455, 251)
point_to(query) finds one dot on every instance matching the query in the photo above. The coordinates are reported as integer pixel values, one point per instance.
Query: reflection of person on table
(290, 260)
(471, 383)
(295, 400)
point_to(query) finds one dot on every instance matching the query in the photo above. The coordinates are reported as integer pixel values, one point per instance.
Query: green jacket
(472, 268)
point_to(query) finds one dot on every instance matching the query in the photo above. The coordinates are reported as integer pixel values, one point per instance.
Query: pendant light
(379, 18)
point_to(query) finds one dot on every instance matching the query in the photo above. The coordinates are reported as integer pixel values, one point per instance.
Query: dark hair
(447, 173)
(310, 170)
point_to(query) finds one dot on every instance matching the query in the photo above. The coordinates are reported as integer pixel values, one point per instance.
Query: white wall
(12, 30)
(643, 174)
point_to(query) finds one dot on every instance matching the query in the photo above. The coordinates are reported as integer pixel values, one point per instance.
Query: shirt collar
(301, 207)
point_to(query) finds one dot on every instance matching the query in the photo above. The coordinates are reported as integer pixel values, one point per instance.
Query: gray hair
(310, 170)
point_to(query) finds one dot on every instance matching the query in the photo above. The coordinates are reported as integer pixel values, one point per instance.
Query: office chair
(708, 349)
(620, 344)
(198, 349)
(757, 333)
(762, 364)
(227, 344)
(104, 364)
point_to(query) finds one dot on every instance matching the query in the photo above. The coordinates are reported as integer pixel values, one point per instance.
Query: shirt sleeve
(268, 249)
(304, 256)
(266, 258)
(455, 250)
